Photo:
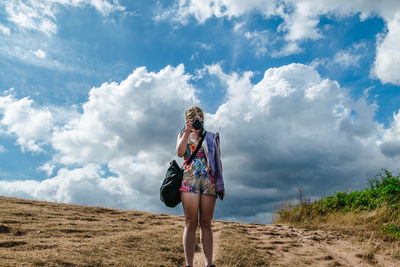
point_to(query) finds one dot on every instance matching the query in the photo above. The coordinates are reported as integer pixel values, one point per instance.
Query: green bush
(391, 229)
(383, 191)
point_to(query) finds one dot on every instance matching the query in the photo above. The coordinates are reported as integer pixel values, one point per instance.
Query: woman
(202, 183)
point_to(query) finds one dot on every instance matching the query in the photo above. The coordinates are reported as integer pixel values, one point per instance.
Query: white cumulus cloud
(292, 128)
(32, 126)
(387, 62)
(85, 185)
(128, 129)
(204, 9)
(301, 22)
(48, 168)
(126, 118)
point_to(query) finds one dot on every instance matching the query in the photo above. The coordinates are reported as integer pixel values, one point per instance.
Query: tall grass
(377, 206)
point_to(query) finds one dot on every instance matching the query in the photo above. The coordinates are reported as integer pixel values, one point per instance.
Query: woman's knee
(205, 224)
(191, 224)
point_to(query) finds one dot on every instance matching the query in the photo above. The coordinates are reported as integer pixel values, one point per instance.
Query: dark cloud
(291, 129)
(296, 129)
(391, 148)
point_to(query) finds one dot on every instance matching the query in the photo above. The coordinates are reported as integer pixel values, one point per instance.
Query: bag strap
(197, 149)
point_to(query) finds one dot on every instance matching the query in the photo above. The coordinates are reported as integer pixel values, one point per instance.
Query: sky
(93, 94)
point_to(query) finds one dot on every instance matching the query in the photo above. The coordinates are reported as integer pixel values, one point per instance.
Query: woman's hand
(182, 140)
(221, 194)
(189, 126)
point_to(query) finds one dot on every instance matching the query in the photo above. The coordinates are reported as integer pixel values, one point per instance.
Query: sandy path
(199, 259)
(288, 246)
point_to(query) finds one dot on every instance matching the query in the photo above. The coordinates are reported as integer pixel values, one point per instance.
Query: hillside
(371, 216)
(37, 233)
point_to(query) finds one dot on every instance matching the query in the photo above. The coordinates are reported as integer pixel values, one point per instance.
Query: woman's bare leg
(207, 204)
(190, 204)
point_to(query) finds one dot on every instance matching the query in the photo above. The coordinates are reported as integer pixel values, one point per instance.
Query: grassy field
(358, 228)
(38, 233)
(373, 213)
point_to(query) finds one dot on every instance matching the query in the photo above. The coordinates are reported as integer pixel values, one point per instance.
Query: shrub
(391, 229)
(383, 192)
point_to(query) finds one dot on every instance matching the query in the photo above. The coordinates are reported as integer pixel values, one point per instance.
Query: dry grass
(239, 247)
(36, 233)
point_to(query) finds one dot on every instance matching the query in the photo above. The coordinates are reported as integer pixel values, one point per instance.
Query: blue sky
(93, 95)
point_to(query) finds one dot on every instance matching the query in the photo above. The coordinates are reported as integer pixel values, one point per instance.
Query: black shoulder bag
(169, 191)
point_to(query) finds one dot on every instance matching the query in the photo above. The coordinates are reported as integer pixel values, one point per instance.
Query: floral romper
(197, 176)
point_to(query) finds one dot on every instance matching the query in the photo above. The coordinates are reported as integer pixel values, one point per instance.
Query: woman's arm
(181, 143)
(183, 138)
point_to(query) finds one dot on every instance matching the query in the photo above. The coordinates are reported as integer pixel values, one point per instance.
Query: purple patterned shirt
(211, 146)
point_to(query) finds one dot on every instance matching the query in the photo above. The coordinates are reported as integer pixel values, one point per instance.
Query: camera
(197, 124)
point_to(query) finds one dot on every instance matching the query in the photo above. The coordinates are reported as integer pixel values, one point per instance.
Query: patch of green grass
(382, 193)
(383, 189)
(391, 229)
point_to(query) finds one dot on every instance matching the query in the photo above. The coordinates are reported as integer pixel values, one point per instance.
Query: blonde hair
(193, 111)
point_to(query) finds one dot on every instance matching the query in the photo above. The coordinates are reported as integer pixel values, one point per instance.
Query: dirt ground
(37, 233)
(284, 245)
